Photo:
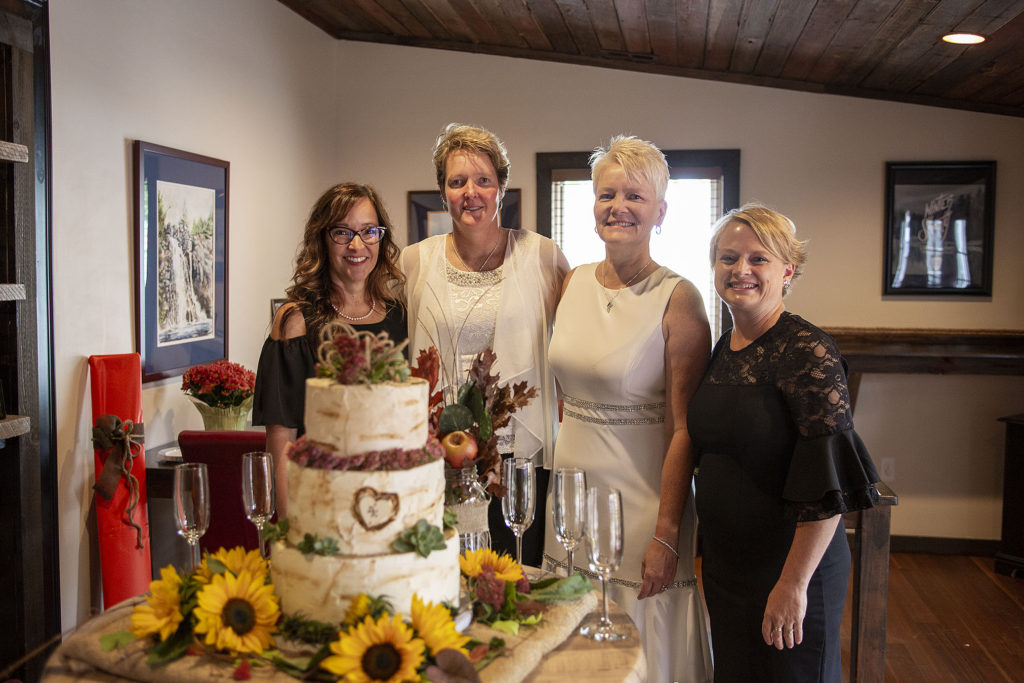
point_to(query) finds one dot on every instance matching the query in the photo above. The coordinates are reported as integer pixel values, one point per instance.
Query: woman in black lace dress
(778, 462)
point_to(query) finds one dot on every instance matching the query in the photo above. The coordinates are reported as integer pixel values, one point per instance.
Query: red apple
(459, 447)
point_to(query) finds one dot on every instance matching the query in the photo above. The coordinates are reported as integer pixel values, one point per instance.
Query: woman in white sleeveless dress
(630, 345)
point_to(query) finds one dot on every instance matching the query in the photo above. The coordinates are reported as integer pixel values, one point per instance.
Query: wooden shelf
(12, 292)
(14, 425)
(12, 151)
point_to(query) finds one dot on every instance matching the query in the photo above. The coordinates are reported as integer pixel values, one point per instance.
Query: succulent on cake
(480, 408)
(353, 356)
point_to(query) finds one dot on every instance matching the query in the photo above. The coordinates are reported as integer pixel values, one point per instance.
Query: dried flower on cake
(360, 357)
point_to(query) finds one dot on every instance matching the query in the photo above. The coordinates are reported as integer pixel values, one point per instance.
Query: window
(703, 184)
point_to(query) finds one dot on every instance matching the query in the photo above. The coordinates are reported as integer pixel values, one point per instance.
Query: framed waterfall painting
(181, 269)
(939, 225)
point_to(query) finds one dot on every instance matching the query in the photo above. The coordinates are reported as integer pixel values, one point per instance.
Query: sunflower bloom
(237, 613)
(238, 560)
(433, 623)
(382, 650)
(359, 608)
(161, 612)
(505, 568)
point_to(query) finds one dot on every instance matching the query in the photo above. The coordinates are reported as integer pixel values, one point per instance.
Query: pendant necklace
(611, 301)
(455, 246)
(373, 307)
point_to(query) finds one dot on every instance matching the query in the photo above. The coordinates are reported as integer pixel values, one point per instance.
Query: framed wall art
(427, 217)
(181, 240)
(939, 224)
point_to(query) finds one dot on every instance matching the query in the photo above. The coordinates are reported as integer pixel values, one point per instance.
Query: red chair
(124, 565)
(222, 452)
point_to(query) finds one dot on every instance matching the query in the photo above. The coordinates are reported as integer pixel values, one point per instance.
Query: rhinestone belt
(628, 408)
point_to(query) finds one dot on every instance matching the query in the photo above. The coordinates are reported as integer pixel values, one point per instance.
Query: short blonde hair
(776, 232)
(640, 159)
(457, 137)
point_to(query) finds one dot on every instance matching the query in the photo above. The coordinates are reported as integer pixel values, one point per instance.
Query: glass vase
(466, 497)
(231, 418)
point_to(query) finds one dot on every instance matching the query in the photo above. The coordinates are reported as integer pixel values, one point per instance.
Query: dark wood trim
(964, 352)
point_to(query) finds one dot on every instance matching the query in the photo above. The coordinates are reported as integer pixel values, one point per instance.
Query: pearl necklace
(611, 301)
(455, 246)
(373, 307)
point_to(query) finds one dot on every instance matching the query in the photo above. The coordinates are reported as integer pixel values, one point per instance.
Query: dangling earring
(444, 203)
(596, 230)
(657, 229)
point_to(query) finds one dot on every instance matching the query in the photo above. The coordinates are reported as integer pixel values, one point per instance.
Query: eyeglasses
(367, 235)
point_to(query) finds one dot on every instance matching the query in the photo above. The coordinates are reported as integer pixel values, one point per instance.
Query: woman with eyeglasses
(345, 271)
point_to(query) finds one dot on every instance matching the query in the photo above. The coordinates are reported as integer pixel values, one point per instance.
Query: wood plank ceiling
(884, 49)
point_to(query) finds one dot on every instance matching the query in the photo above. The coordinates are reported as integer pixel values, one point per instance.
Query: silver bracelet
(666, 544)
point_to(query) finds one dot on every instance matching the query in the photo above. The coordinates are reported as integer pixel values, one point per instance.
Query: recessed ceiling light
(964, 38)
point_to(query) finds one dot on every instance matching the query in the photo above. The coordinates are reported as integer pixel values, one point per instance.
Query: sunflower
(161, 613)
(234, 560)
(359, 608)
(505, 568)
(237, 614)
(382, 650)
(433, 623)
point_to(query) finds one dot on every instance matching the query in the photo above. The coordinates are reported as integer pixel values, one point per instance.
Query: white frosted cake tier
(322, 588)
(358, 418)
(363, 511)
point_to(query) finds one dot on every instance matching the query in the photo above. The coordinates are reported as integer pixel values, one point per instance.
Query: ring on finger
(777, 629)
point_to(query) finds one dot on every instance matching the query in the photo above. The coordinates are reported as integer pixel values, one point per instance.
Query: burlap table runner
(81, 658)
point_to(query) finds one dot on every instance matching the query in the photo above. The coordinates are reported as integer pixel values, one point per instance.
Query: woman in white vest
(486, 286)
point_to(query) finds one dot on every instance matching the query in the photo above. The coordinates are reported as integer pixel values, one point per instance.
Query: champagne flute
(258, 490)
(604, 550)
(192, 504)
(517, 507)
(569, 509)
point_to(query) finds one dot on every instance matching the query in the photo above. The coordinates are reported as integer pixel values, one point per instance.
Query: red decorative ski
(122, 519)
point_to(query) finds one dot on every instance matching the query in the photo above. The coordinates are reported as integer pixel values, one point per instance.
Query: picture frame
(181, 217)
(939, 228)
(274, 305)
(428, 217)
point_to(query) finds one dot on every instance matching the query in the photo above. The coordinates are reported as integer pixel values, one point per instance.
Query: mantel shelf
(14, 425)
(12, 151)
(12, 292)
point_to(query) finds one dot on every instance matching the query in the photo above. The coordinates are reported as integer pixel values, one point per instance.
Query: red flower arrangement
(220, 384)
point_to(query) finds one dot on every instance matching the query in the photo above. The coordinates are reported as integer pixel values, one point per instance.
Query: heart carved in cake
(374, 509)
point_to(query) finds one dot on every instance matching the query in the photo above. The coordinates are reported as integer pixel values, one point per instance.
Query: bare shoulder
(288, 323)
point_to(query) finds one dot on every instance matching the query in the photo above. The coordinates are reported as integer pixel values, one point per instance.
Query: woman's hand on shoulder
(288, 323)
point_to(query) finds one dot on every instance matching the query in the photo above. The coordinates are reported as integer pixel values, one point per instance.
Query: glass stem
(195, 553)
(259, 536)
(570, 568)
(519, 549)
(604, 601)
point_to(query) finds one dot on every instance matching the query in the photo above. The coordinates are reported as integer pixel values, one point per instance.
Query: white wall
(818, 158)
(294, 111)
(248, 82)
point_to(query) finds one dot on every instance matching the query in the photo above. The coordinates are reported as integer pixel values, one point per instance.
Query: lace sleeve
(812, 378)
(831, 472)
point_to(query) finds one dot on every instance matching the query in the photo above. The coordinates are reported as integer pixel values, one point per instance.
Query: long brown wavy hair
(311, 288)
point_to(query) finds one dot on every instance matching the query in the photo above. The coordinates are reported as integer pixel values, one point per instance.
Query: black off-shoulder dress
(286, 364)
(773, 435)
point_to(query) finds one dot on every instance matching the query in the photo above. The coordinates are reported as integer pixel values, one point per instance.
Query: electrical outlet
(888, 469)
